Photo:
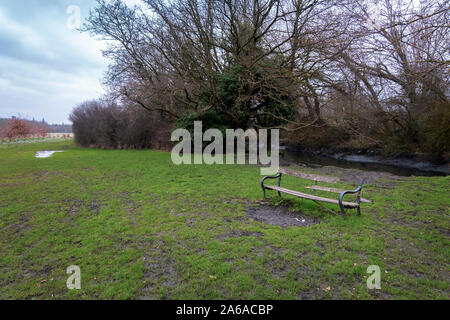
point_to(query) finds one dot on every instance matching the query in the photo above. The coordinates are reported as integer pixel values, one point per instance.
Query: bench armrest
(358, 199)
(270, 177)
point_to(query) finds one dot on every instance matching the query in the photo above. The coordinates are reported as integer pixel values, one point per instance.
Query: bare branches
(290, 64)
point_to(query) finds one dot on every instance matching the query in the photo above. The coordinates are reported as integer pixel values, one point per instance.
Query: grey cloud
(45, 68)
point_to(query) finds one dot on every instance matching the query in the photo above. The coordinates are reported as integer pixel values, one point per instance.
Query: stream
(395, 166)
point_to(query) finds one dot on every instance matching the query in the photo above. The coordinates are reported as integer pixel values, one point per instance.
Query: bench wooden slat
(311, 197)
(334, 190)
(308, 176)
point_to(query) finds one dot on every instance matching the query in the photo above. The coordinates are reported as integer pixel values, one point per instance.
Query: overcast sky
(46, 68)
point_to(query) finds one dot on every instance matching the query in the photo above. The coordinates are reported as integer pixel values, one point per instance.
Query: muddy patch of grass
(279, 216)
(76, 206)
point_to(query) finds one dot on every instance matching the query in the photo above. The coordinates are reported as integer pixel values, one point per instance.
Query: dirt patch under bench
(279, 216)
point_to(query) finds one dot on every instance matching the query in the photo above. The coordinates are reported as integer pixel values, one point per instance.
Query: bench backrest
(308, 176)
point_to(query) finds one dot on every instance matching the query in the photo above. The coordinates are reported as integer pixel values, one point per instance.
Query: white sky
(45, 67)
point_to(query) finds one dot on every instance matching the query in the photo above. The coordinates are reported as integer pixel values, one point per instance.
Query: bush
(318, 136)
(434, 129)
(17, 128)
(106, 125)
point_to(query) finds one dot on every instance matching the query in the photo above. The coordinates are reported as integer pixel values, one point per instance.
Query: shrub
(107, 125)
(95, 124)
(17, 129)
(434, 127)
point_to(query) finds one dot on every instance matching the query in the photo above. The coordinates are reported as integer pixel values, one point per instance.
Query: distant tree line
(362, 74)
(60, 128)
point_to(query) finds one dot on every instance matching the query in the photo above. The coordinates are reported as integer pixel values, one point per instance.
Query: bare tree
(280, 63)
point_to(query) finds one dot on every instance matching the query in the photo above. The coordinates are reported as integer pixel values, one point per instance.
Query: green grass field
(140, 227)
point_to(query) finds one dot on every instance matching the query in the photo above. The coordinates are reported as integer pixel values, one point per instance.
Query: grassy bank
(140, 227)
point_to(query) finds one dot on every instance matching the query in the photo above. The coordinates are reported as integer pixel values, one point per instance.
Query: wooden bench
(339, 201)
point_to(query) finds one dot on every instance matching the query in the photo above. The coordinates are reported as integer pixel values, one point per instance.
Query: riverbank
(398, 164)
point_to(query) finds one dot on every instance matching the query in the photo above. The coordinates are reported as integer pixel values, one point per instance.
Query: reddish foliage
(39, 131)
(17, 128)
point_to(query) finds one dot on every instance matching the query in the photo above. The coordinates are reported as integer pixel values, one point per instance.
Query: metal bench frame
(358, 191)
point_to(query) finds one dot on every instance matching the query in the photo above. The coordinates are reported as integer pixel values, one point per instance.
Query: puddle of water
(45, 154)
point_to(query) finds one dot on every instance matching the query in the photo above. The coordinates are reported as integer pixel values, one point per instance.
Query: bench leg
(270, 177)
(358, 200)
(279, 184)
(342, 209)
